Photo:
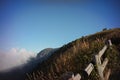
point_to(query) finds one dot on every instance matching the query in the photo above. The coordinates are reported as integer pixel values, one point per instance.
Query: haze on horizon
(35, 25)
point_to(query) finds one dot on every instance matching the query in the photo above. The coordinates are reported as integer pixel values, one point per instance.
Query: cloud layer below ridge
(14, 57)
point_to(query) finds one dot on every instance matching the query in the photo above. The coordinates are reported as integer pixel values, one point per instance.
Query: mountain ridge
(76, 55)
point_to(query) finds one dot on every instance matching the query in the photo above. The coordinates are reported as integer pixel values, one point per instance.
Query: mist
(14, 58)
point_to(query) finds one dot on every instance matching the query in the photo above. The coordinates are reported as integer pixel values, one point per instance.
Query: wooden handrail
(100, 66)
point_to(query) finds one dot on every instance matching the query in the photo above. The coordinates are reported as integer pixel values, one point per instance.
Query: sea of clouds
(14, 57)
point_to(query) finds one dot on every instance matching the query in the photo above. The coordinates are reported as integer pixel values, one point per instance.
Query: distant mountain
(45, 53)
(76, 55)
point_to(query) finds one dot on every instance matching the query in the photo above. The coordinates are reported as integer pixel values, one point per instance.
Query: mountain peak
(44, 52)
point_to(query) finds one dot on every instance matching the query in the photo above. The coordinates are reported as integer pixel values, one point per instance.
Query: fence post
(100, 66)
(89, 69)
(101, 52)
(110, 43)
(98, 63)
(107, 74)
(104, 64)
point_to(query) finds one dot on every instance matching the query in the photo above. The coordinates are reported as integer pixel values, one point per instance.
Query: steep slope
(76, 55)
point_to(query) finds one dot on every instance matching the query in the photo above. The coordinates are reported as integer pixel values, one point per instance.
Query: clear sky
(38, 24)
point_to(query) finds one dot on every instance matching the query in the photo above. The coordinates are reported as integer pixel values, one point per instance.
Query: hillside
(76, 55)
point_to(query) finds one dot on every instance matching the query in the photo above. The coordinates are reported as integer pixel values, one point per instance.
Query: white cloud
(13, 58)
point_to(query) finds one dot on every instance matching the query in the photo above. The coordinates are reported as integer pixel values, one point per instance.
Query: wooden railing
(100, 66)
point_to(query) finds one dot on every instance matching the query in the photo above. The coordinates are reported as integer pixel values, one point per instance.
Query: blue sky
(36, 25)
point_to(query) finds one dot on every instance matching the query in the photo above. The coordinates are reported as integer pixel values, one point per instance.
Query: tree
(104, 29)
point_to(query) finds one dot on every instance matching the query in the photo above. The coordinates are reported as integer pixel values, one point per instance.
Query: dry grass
(74, 57)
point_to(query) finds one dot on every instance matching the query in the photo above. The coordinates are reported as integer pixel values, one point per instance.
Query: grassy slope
(76, 55)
